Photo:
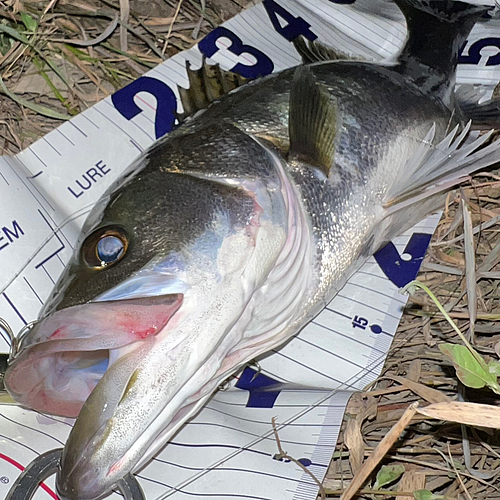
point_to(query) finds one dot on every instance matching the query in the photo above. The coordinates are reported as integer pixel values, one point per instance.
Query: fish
(228, 236)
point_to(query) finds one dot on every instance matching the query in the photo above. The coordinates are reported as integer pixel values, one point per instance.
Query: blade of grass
(470, 267)
(94, 41)
(42, 110)
(54, 89)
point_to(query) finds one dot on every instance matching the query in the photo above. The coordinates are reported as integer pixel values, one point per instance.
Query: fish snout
(84, 482)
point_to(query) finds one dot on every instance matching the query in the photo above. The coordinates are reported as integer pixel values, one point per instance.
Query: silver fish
(224, 239)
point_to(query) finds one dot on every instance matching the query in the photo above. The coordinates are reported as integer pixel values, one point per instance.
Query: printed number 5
(262, 67)
(475, 52)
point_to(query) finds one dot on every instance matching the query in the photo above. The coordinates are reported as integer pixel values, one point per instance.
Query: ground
(43, 76)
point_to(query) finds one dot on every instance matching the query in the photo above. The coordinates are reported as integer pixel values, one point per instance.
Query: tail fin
(437, 30)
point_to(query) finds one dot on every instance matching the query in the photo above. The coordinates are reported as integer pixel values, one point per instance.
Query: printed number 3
(262, 67)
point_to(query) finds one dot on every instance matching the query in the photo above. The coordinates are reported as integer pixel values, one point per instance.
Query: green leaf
(6, 41)
(388, 474)
(30, 23)
(426, 495)
(494, 368)
(14, 34)
(471, 370)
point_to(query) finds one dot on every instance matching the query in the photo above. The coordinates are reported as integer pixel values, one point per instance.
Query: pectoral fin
(312, 121)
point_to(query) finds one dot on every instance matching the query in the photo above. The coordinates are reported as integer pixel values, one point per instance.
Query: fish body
(221, 242)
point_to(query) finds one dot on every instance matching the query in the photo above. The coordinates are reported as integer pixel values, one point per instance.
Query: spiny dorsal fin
(311, 52)
(312, 122)
(206, 85)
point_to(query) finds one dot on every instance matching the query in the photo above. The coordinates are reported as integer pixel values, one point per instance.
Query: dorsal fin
(312, 122)
(311, 52)
(206, 84)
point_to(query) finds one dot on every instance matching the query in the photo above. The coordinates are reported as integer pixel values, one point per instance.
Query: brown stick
(380, 451)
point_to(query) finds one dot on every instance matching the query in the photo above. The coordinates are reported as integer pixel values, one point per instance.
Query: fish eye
(104, 247)
(109, 249)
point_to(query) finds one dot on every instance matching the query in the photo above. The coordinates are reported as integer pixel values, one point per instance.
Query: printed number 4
(295, 26)
(399, 270)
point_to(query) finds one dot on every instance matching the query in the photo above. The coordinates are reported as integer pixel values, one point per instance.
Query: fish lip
(83, 480)
(33, 374)
(67, 491)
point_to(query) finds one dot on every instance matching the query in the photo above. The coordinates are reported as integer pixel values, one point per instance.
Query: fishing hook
(15, 340)
(26, 485)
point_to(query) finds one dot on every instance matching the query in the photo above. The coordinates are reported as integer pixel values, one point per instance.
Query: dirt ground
(44, 77)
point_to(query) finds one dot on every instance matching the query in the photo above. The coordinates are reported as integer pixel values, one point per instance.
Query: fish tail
(437, 30)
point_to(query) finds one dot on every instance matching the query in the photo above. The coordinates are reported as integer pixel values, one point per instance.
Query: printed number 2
(398, 270)
(475, 52)
(166, 103)
(295, 26)
(263, 66)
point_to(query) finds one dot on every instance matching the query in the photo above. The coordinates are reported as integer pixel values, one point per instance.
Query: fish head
(115, 292)
(137, 333)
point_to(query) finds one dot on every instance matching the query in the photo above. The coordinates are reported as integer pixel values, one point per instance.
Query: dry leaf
(427, 393)
(475, 414)
(360, 408)
(380, 451)
(411, 481)
(470, 267)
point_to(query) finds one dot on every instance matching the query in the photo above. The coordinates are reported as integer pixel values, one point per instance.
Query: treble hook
(15, 340)
(6, 327)
(47, 464)
(18, 340)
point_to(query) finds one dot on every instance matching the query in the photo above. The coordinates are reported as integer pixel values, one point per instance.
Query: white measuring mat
(228, 450)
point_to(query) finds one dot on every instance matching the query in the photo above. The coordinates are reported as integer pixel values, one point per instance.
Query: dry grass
(50, 62)
(53, 65)
(449, 460)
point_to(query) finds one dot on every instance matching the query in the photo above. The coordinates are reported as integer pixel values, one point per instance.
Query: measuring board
(228, 450)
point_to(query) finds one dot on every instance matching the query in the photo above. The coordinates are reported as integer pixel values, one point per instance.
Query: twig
(49, 6)
(177, 10)
(283, 454)
(380, 451)
(365, 491)
(124, 17)
(466, 491)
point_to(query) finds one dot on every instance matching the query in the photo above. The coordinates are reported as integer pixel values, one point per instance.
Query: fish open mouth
(64, 356)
